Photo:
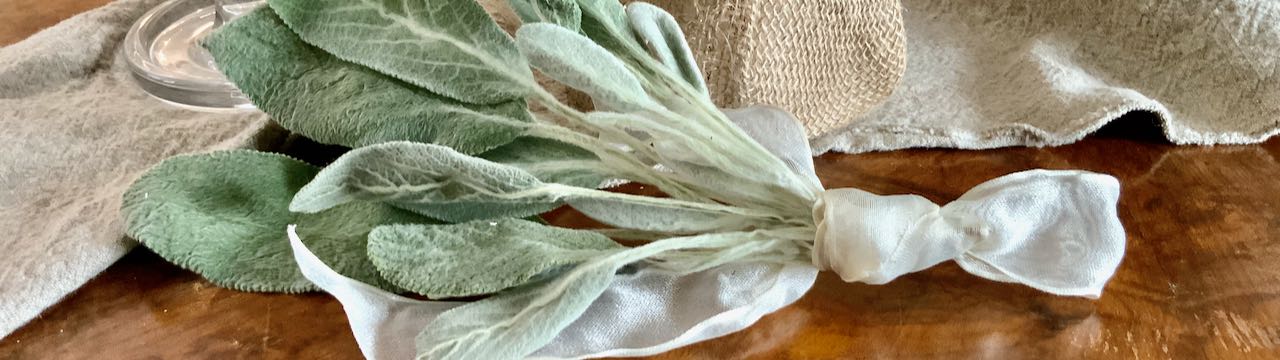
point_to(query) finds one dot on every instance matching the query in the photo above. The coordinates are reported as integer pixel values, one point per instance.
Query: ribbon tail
(1056, 231)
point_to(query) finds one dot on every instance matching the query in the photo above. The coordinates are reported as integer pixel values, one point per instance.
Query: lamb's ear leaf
(332, 101)
(565, 13)
(605, 22)
(450, 47)
(441, 183)
(660, 34)
(517, 322)
(223, 215)
(580, 63)
(674, 221)
(478, 258)
(429, 179)
(551, 161)
(534, 314)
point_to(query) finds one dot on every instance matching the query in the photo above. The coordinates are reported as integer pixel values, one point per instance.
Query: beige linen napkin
(992, 73)
(75, 133)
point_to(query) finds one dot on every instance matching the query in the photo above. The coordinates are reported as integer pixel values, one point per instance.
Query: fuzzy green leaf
(450, 47)
(478, 258)
(627, 215)
(605, 22)
(317, 95)
(517, 322)
(578, 62)
(551, 161)
(442, 183)
(659, 33)
(224, 214)
(433, 180)
(560, 12)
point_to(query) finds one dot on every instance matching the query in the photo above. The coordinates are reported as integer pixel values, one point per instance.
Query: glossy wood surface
(1201, 277)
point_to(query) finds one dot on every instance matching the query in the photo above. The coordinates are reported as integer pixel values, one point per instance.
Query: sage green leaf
(576, 61)
(450, 47)
(669, 220)
(533, 315)
(660, 34)
(560, 12)
(433, 180)
(332, 101)
(223, 215)
(442, 183)
(478, 258)
(551, 161)
(517, 322)
(605, 22)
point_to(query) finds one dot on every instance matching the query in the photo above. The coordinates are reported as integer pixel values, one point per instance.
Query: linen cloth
(991, 73)
(74, 133)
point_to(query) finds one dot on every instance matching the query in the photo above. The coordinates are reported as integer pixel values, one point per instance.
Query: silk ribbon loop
(1056, 231)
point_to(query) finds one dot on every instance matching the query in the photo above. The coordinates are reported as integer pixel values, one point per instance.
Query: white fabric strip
(1056, 231)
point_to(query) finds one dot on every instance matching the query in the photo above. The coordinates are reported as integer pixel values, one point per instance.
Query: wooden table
(1201, 277)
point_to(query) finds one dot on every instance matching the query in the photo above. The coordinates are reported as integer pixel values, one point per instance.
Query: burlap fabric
(826, 61)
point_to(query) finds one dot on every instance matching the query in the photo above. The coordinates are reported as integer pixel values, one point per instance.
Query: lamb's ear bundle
(449, 169)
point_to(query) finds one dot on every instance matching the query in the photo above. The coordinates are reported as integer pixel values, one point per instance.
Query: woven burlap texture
(826, 61)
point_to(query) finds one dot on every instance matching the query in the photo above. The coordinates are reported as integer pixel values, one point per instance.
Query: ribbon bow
(1056, 231)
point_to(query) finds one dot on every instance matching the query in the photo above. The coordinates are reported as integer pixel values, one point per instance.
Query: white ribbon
(1056, 231)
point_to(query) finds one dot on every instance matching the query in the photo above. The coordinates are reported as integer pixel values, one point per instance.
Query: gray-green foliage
(605, 22)
(450, 47)
(478, 258)
(223, 215)
(313, 93)
(560, 12)
(430, 179)
(659, 33)
(442, 75)
(516, 323)
(551, 161)
(575, 60)
(628, 215)
(410, 175)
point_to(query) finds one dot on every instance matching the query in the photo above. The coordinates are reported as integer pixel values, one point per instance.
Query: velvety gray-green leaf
(671, 220)
(551, 161)
(407, 175)
(317, 95)
(534, 314)
(478, 258)
(560, 12)
(576, 61)
(659, 33)
(450, 47)
(517, 322)
(605, 22)
(224, 214)
(442, 183)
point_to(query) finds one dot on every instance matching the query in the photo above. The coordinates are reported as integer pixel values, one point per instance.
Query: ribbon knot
(1056, 231)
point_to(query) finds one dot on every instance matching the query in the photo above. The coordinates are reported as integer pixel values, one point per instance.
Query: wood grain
(21, 18)
(1200, 278)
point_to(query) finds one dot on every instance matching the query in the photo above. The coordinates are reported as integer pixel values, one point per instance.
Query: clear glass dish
(164, 53)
